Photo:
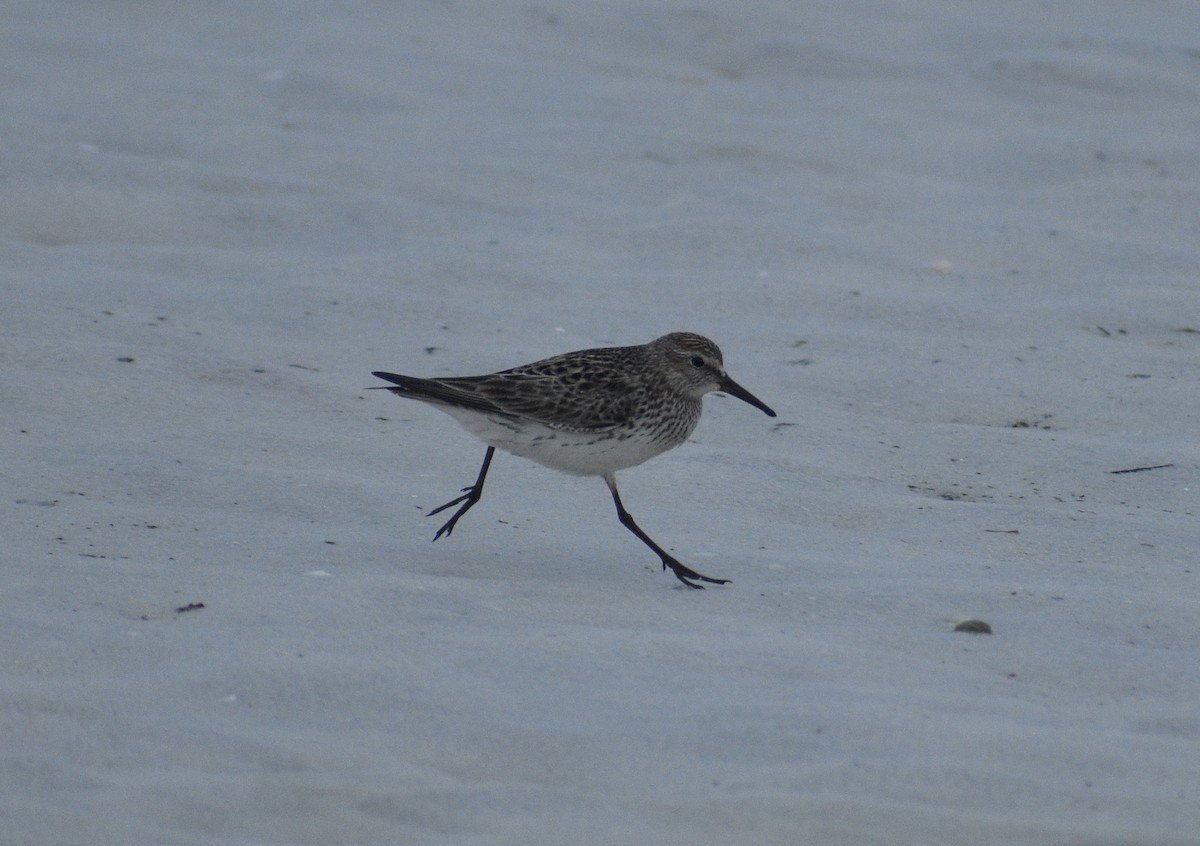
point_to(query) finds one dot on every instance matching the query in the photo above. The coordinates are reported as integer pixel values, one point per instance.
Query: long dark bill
(735, 390)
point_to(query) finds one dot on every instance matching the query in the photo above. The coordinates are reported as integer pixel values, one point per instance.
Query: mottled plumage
(591, 412)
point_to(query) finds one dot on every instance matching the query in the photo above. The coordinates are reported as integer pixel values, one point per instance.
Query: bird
(590, 412)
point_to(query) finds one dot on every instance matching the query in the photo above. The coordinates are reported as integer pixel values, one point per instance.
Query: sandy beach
(955, 245)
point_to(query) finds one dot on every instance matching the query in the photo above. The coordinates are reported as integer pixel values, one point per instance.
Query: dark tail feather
(395, 378)
(431, 390)
(410, 386)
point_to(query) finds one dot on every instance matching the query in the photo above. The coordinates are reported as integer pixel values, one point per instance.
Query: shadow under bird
(589, 412)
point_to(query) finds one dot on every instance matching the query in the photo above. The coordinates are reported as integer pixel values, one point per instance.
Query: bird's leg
(471, 495)
(683, 573)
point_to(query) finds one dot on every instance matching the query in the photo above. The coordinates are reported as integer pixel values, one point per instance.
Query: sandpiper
(590, 412)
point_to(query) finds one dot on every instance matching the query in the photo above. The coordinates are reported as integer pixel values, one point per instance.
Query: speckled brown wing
(559, 392)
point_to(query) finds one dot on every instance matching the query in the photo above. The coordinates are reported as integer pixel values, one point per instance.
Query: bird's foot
(471, 495)
(689, 576)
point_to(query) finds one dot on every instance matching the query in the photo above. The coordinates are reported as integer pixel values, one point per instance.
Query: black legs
(683, 573)
(471, 495)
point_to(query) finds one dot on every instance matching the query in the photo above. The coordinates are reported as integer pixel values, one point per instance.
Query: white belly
(579, 453)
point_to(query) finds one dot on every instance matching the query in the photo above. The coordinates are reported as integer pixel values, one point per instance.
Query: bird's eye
(697, 361)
